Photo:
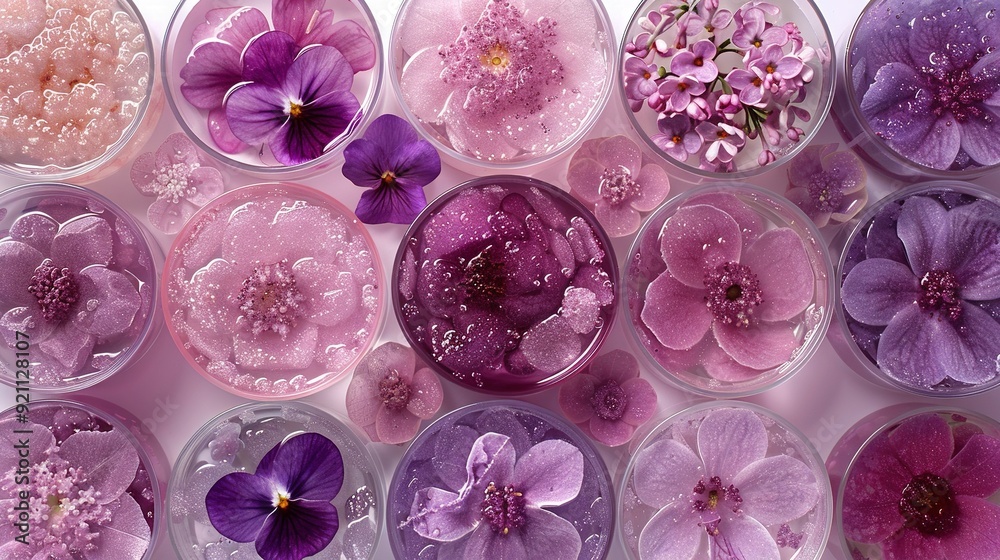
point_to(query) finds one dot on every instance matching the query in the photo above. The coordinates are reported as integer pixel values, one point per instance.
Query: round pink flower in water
(608, 400)
(829, 186)
(612, 176)
(391, 393)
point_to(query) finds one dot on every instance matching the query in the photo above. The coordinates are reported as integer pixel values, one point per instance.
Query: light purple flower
(501, 509)
(612, 176)
(640, 81)
(727, 487)
(676, 137)
(697, 62)
(179, 177)
(826, 184)
(395, 164)
(753, 31)
(779, 69)
(932, 329)
(608, 400)
(678, 91)
(750, 84)
(724, 141)
(295, 102)
(699, 109)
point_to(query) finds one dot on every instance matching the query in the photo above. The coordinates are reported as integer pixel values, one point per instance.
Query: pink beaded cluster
(73, 75)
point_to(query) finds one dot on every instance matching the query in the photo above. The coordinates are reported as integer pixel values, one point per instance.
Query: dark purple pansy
(296, 103)
(395, 164)
(284, 507)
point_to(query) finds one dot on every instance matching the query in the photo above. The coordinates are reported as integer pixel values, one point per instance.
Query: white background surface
(823, 400)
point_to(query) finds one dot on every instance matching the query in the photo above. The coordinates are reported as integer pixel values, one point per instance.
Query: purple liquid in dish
(505, 284)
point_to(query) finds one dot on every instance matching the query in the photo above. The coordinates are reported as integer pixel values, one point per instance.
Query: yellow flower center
(294, 109)
(496, 59)
(282, 501)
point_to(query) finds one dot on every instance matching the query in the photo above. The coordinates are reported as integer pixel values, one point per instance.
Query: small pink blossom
(753, 31)
(723, 141)
(697, 62)
(678, 91)
(828, 185)
(676, 137)
(640, 81)
(699, 109)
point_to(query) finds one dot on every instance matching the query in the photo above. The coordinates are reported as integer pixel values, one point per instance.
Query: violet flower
(926, 297)
(829, 186)
(698, 63)
(920, 491)
(639, 81)
(754, 32)
(501, 508)
(78, 503)
(676, 137)
(723, 140)
(727, 488)
(389, 395)
(58, 289)
(745, 291)
(295, 103)
(607, 400)
(180, 179)
(395, 164)
(284, 506)
(612, 176)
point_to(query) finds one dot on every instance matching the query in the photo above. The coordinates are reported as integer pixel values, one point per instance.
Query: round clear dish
(330, 483)
(273, 291)
(257, 84)
(727, 89)
(92, 100)
(917, 481)
(917, 297)
(501, 479)
(502, 85)
(728, 290)
(84, 479)
(725, 479)
(78, 291)
(505, 285)
(914, 94)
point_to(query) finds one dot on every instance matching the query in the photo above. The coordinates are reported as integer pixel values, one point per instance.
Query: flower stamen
(928, 505)
(393, 391)
(270, 300)
(609, 401)
(504, 508)
(56, 290)
(733, 293)
(940, 293)
(617, 185)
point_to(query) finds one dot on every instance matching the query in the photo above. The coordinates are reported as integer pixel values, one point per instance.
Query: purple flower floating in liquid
(828, 185)
(395, 165)
(501, 509)
(922, 490)
(926, 285)
(607, 400)
(284, 506)
(728, 488)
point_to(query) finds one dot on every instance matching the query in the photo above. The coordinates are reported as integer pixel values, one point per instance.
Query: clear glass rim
(137, 348)
(553, 379)
(852, 233)
(819, 115)
(808, 347)
(603, 19)
(190, 226)
(278, 172)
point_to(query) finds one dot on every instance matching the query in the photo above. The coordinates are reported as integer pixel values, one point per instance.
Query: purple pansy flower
(607, 400)
(826, 184)
(395, 164)
(727, 488)
(922, 489)
(295, 102)
(180, 179)
(284, 506)
(389, 394)
(501, 507)
(923, 293)
(698, 62)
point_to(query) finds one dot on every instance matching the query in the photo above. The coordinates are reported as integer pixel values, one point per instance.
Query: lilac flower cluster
(720, 81)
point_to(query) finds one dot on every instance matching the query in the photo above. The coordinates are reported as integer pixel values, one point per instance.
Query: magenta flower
(829, 186)
(743, 291)
(284, 506)
(727, 488)
(607, 399)
(920, 491)
(676, 137)
(395, 165)
(698, 62)
(295, 103)
(389, 395)
(723, 140)
(503, 502)
(612, 175)
(180, 179)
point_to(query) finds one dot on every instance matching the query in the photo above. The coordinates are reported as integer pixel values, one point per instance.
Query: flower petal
(168, 216)
(729, 440)
(83, 242)
(574, 398)
(363, 402)
(426, 394)
(972, 235)
(777, 489)
(222, 134)
(18, 262)
(269, 351)
(672, 533)
(430, 24)
(352, 40)
(584, 179)
(207, 184)
(549, 474)
(619, 220)
(641, 401)
(750, 221)
(742, 536)
(872, 491)
(883, 242)
(550, 536)
(40, 442)
(665, 473)
(213, 68)
(396, 426)
(697, 239)
(35, 229)
(333, 295)
(394, 204)
(787, 280)
(70, 347)
(237, 27)
(111, 302)
(306, 138)
(975, 470)
(620, 152)
(487, 544)
(610, 432)
(492, 458)
(268, 58)
(920, 227)
(442, 516)
(978, 534)
(126, 536)
(108, 458)
(676, 314)
(808, 163)
(760, 346)
(303, 529)
(308, 466)
(877, 289)
(720, 365)
(980, 334)
(654, 186)
(255, 112)
(470, 135)
(297, 17)
(617, 365)
(421, 86)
